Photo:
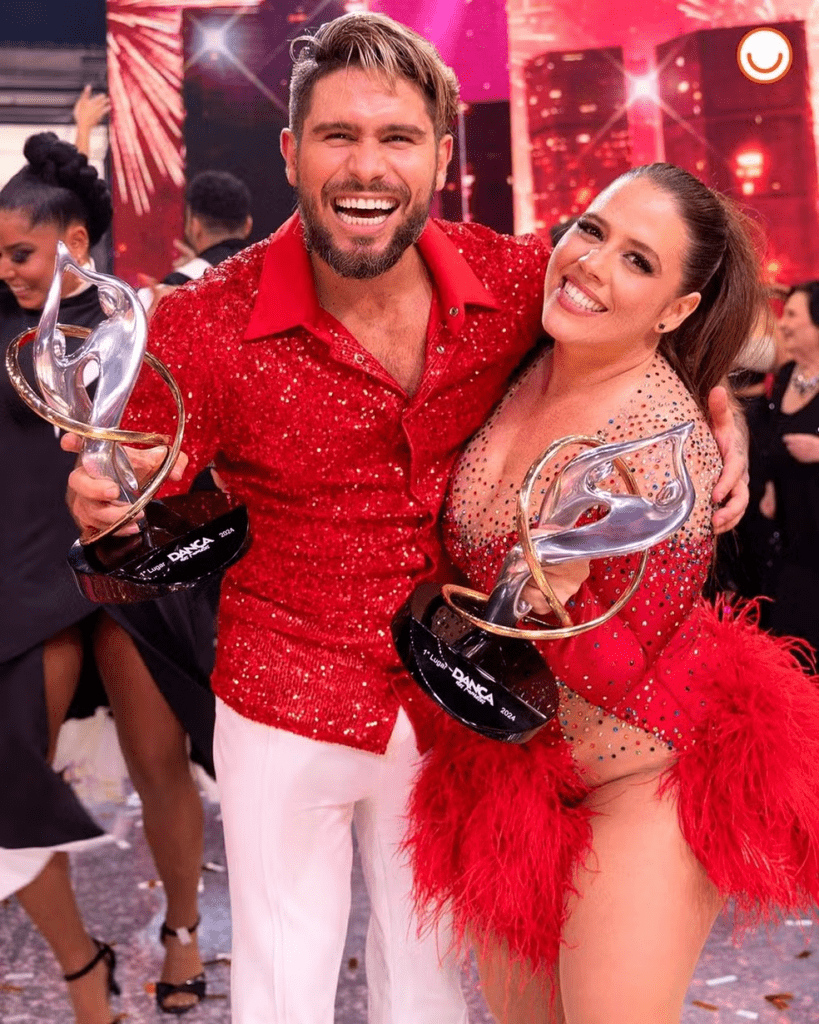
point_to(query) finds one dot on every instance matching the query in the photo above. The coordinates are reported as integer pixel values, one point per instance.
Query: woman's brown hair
(722, 264)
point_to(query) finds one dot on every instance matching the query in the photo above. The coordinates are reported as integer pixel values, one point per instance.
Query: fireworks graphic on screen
(145, 69)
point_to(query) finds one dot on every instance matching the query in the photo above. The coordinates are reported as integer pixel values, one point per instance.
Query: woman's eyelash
(642, 262)
(590, 228)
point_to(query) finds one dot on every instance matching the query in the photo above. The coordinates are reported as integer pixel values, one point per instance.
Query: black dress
(38, 598)
(795, 610)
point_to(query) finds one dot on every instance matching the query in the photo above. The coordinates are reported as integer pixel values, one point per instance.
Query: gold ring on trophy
(41, 408)
(451, 592)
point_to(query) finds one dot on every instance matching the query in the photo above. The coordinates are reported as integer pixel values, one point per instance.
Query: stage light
(749, 165)
(213, 39)
(643, 87)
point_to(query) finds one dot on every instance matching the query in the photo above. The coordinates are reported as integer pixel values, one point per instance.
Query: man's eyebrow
(388, 129)
(634, 243)
(329, 126)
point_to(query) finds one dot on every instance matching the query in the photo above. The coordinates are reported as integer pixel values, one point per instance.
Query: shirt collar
(287, 295)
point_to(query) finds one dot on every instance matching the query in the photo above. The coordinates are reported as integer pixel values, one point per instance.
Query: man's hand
(186, 253)
(88, 112)
(94, 502)
(731, 432)
(803, 447)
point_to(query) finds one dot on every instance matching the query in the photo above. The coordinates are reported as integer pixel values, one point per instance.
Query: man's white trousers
(288, 804)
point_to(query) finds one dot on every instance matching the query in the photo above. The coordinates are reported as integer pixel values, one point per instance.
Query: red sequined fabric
(343, 473)
(669, 683)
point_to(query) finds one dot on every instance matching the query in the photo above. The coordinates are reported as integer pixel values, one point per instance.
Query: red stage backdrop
(558, 99)
(598, 87)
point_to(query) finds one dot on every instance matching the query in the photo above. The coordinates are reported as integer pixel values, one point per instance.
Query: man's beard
(361, 262)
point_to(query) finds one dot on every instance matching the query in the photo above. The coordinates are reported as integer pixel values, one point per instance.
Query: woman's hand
(565, 580)
(94, 502)
(803, 447)
(731, 433)
(767, 504)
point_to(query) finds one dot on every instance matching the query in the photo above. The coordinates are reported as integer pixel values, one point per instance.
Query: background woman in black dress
(792, 468)
(154, 658)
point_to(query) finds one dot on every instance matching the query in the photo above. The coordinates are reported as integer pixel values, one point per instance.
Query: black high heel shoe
(195, 986)
(109, 958)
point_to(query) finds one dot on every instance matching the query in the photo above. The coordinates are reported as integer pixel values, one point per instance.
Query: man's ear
(444, 156)
(288, 146)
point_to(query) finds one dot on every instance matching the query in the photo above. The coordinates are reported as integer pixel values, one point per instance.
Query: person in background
(791, 470)
(154, 658)
(217, 225)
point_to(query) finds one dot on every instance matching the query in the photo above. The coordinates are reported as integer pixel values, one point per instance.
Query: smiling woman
(589, 864)
(55, 644)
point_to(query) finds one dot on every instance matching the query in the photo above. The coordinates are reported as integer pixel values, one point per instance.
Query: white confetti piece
(153, 883)
(721, 981)
(19, 976)
(748, 1014)
(211, 865)
(799, 924)
(123, 844)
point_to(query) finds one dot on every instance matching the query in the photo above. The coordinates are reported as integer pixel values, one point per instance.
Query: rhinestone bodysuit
(607, 698)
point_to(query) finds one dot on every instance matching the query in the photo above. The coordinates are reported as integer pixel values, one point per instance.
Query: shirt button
(359, 357)
(440, 349)
(453, 310)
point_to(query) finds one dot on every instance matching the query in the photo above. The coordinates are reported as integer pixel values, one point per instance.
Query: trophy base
(497, 686)
(185, 541)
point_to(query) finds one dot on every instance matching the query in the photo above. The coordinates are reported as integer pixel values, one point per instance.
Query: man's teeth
(580, 298)
(377, 210)
(366, 204)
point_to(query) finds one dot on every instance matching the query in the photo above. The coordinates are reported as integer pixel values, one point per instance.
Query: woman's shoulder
(662, 402)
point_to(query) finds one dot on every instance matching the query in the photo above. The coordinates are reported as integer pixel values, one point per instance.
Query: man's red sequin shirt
(343, 473)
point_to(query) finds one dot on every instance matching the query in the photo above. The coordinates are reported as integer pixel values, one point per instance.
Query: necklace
(804, 385)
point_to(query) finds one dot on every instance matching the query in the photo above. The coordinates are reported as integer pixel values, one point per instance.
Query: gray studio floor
(117, 890)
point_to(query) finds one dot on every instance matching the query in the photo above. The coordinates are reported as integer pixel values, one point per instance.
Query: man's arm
(731, 432)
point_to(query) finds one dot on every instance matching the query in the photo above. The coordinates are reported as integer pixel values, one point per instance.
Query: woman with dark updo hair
(55, 645)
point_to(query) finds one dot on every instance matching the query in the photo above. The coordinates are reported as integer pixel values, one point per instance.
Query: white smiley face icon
(764, 55)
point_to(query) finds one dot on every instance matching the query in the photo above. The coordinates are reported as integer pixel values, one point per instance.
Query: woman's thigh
(641, 914)
(513, 993)
(153, 741)
(62, 663)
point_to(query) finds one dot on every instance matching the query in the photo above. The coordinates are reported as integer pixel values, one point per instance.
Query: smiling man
(333, 372)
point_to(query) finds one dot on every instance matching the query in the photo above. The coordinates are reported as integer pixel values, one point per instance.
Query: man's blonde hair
(375, 43)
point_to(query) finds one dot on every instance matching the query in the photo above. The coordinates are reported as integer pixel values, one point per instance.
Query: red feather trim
(747, 783)
(496, 830)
